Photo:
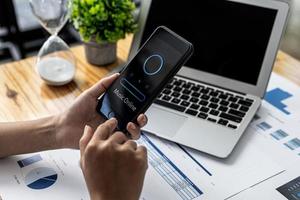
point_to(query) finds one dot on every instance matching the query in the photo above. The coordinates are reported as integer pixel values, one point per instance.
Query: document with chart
(277, 125)
(44, 175)
(264, 165)
(174, 173)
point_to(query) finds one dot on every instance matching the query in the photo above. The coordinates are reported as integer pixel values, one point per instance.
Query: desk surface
(25, 96)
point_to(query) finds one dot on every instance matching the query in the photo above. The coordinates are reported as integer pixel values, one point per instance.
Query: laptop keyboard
(205, 102)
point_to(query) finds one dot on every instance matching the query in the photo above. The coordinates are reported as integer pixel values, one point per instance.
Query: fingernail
(114, 120)
(144, 119)
(116, 75)
(132, 126)
(85, 128)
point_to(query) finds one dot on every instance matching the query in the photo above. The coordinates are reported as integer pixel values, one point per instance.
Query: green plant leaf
(103, 20)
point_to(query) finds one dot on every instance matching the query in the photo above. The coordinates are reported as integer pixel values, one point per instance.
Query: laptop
(213, 98)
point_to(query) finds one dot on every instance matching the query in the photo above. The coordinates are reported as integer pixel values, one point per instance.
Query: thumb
(85, 139)
(100, 87)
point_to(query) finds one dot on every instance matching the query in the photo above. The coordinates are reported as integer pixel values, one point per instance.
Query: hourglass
(55, 62)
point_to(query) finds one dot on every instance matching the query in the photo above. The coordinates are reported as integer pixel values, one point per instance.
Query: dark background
(27, 36)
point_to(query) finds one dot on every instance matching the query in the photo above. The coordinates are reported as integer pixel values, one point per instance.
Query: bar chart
(264, 126)
(181, 184)
(279, 134)
(293, 144)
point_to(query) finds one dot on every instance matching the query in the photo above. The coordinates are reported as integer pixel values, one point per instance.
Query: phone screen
(144, 77)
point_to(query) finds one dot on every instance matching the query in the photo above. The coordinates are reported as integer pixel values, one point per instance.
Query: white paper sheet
(265, 158)
(216, 178)
(285, 94)
(278, 134)
(172, 174)
(18, 181)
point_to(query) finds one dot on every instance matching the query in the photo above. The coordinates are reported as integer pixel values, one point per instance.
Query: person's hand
(113, 166)
(70, 124)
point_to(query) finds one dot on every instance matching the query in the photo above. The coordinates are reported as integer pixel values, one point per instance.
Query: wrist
(67, 132)
(57, 121)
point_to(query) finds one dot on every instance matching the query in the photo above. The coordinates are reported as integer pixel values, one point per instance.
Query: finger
(118, 137)
(134, 130)
(105, 129)
(142, 152)
(130, 144)
(142, 120)
(85, 139)
(101, 86)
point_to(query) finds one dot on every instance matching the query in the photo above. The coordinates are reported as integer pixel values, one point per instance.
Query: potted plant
(101, 23)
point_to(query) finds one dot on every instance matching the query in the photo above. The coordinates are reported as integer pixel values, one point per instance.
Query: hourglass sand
(55, 62)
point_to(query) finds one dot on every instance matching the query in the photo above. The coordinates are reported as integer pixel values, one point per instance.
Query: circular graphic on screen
(153, 64)
(40, 178)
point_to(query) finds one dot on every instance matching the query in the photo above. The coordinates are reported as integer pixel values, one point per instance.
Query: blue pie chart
(40, 178)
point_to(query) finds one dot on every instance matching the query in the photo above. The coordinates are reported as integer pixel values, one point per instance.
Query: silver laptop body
(175, 115)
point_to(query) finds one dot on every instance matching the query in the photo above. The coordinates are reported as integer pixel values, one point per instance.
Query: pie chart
(40, 178)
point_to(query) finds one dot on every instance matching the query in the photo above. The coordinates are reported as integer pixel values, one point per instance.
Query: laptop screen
(230, 39)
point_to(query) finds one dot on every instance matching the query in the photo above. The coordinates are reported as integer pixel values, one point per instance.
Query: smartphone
(144, 77)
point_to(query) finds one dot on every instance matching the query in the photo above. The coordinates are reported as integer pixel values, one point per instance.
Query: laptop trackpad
(163, 122)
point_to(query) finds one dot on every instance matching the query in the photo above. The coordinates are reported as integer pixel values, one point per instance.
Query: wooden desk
(24, 96)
